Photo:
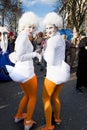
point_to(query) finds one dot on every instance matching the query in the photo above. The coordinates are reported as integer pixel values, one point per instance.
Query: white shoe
(57, 121)
(28, 124)
(19, 118)
(16, 120)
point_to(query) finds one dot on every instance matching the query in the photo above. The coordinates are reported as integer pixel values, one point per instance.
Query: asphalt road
(73, 105)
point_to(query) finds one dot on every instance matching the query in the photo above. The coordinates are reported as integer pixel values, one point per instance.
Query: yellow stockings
(50, 92)
(29, 98)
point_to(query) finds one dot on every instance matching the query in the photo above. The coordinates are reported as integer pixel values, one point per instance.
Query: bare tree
(74, 12)
(10, 11)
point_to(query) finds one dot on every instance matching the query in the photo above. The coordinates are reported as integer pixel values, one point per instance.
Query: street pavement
(73, 105)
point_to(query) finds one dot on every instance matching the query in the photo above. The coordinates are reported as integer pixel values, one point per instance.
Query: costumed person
(23, 71)
(5, 50)
(11, 38)
(82, 63)
(58, 71)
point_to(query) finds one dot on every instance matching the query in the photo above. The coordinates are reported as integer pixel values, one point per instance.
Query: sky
(39, 7)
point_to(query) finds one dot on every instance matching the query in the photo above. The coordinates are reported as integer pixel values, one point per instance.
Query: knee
(45, 98)
(55, 98)
(26, 97)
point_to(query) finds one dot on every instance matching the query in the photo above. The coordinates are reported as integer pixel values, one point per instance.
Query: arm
(30, 56)
(20, 44)
(49, 52)
(19, 49)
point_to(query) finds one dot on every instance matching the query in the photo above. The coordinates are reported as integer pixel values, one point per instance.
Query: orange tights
(29, 98)
(51, 91)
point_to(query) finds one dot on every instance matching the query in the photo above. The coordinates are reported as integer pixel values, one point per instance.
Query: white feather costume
(57, 70)
(22, 71)
(23, 55)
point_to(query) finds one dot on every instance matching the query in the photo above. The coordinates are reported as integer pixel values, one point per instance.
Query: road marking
(3, 106)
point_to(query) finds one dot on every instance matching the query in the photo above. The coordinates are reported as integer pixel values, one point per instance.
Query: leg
(31, 87)
(56, 101)
(78, 83)
(29, 99)
(72, 56)
(23, 101)
(46, 96)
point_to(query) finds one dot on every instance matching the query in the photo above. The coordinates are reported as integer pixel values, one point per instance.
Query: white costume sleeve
(19, 45)
(28, 56)
(49, 54)
(55, 50)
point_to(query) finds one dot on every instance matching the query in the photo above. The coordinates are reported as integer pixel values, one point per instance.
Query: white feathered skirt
(21, 72)
(58, 74)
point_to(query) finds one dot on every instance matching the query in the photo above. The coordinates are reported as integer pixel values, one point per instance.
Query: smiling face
(50, 30)
(29, 29)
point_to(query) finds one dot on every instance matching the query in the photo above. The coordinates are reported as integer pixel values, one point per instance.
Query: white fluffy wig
(27, 19)
(3, 29)
(53, 19)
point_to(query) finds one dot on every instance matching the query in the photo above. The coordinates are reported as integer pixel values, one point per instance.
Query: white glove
(29, 56)
(12, 57)
(35, 54)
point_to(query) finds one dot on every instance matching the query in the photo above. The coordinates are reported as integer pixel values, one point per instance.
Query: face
(50, 30)
(4, 35)
(30, 29)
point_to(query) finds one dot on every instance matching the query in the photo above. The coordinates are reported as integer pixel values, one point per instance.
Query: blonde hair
(53, 19)
(27, 19)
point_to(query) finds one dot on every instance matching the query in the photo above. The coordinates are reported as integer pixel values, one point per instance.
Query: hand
(85, 47)
(76, 46)
(12, 57)
(38, 50)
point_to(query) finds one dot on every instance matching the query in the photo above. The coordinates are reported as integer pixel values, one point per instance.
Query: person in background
(82, 63)
(5, 50)
(73, 48)
(67, 48)
(38, 40)
(23, 71)
(58, 71)
(43, 47)
(33, 42)
(11, 38)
